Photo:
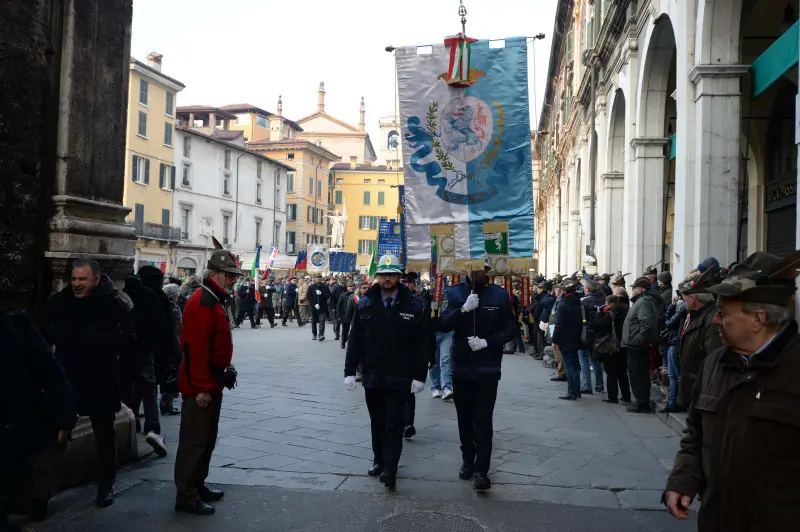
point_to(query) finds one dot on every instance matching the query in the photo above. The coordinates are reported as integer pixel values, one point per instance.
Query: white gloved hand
(350, 383)
(476, 344)
(417, 386)
(316, 306)
(319, 293)
(471, 303)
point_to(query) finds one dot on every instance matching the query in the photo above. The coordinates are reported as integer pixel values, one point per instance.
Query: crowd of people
(725, 340)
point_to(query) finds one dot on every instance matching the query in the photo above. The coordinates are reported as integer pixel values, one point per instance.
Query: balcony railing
(157, 231)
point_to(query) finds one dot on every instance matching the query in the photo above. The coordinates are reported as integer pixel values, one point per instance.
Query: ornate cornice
(717, 71)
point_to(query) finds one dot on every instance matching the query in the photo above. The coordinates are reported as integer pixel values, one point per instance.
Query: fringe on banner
(418, 266)
(441, 230)
(495, 227)
(469, 265)
(520, 265)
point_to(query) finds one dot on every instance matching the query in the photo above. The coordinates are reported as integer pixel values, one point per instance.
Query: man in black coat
(247, 296)
(567, 336)
(337, 289)
(90, 327)
(341, 312)
(265, 307)
(290, 302)
(480, 315)
(388, 338)
(318, 296)
(37, 411)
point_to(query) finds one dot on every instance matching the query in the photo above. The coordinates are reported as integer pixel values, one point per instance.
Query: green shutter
(146, 171)
(672, 148)
(366, 197)
(380, 198)
(135, 172)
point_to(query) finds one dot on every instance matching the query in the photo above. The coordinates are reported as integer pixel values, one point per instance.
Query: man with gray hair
(739, 450)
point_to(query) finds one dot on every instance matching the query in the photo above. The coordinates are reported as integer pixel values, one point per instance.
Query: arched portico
(612, 187)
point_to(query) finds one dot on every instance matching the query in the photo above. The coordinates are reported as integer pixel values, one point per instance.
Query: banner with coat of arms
(317, 258)
(467, 155)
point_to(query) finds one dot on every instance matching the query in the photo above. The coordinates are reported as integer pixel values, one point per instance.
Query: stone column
(631, 82)
(610, 222)
(646, 203)
(711, 225)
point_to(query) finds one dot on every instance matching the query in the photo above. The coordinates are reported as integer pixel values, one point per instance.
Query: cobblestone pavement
(294, 449)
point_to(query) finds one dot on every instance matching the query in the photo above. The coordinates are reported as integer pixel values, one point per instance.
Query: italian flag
(373, 265)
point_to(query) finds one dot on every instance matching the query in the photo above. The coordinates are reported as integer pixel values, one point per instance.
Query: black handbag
(607, 345)
(226, 378)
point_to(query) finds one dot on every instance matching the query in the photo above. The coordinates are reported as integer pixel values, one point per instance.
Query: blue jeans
(573, 367)
(674, 369)
(440, 372)
(586, 364)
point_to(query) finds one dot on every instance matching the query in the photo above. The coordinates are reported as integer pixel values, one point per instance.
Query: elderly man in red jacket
(206, 369)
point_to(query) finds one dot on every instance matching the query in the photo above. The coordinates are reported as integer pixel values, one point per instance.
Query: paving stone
(268, 461)
(641, 499)
(578, 497)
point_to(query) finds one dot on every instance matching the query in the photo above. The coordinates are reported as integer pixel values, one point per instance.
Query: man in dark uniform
(389, 339)
(318, 296)
(207, 350)
(482, 320)
(739, 450)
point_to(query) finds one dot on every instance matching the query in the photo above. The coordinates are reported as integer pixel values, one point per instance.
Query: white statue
(338, 224)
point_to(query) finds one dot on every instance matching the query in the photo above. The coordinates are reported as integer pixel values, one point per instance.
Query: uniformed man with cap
(205, 370)
(389, 339)
(739, 453)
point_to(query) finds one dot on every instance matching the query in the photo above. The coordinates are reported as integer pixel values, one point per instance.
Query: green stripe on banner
(776, 61)
(672, 148)
(457, 74)
(469, 58)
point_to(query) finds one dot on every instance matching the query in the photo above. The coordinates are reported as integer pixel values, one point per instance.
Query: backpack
(607, 345)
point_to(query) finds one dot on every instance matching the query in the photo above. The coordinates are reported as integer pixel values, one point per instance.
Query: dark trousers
(410, 410)
(105, 438)
(520, 344)
(136, 391)
(386, 413)
(540, 341)
(639, 372)
(317, 320)
(291, 311)
(198, 436)
(337, 325)
(345, 333)
(617, 373)
(269, 312)
(248, 309)
(12, 475)
(474, 408)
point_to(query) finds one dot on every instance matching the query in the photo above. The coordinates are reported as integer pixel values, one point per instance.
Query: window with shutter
(138, 213)
(380, 198)
(135, 169)
(338, 197)
(147, 171)
(165, 216)
(168, 134)
(366, 197)
(142, 130)
(142, 92)
(172, 177)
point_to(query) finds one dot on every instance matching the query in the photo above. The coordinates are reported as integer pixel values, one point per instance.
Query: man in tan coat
(302, 298)
(739, 454)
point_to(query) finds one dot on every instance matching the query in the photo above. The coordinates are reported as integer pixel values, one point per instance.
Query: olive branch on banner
(489, 156)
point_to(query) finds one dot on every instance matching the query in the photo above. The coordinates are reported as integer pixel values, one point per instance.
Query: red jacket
(205, 340)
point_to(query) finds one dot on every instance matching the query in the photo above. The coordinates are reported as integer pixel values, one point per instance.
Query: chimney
(361, 125)
(154, 60)
(280, 105)
(321, 97)
(353, 162)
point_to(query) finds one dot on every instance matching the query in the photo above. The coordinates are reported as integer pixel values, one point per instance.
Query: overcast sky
(237, 51)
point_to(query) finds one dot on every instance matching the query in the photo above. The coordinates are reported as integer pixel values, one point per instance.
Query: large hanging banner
(467, 156)
(317, 258)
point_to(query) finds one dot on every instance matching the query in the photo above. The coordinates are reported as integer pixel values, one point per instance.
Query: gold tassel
(495, 227)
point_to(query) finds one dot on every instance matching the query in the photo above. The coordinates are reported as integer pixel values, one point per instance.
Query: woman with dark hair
(608, 330)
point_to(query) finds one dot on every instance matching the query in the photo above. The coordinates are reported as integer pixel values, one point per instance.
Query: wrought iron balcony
(157, 231)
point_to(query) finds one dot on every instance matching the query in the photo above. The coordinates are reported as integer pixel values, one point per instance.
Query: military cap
(642, 282)
(650, 270)
(761, 278)
(606, 277)
(222, 261)
(409, 277)
(699, 282)
(619, 280)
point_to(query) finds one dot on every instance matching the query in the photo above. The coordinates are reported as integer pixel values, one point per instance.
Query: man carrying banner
(388, 338)
(479, 314)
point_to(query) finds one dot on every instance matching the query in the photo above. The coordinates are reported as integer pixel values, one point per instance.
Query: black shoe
(209, 495)
(313, 338)
(105, 498)
(587, 392)
(538, 357)
(409, 432)
(626, 401)
(569, 397)
(611, 401)
(198, 508)
(481, 482)
(466, 471)
(336, 338)
(284, 324)
(273, 325)
(388, 480)
(558, 379)
(321, 338)
(639, 410)
(359, 377)
(37, 510)
(670, 410)
(375, 470)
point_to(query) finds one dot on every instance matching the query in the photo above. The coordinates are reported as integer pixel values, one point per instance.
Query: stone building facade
(667, 134)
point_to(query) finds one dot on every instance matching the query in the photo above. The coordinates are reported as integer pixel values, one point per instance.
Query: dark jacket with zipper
(390, 343)
(697, 340)
(321, 300)
(640, 329)
(567, 331)
(740, 449)
(542, 313)
(341, 307)
(493, 321)
(613, 314)
(675, 318)
(336, 292)
(290, 296)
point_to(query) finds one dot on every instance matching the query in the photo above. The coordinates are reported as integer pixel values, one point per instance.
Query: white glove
(316, 306)
(350, 383)
(476, 344)
(471, 303)
(417, 386)
(319, 293)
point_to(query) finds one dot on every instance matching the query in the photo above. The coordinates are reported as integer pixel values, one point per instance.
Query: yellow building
(369, 193)
(150, 161)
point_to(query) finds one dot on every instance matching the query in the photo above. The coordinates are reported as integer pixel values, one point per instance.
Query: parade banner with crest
(467, 155)
(317, 258)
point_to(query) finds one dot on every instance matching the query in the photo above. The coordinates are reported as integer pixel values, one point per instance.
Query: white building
(228, 192)
(693, 149)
